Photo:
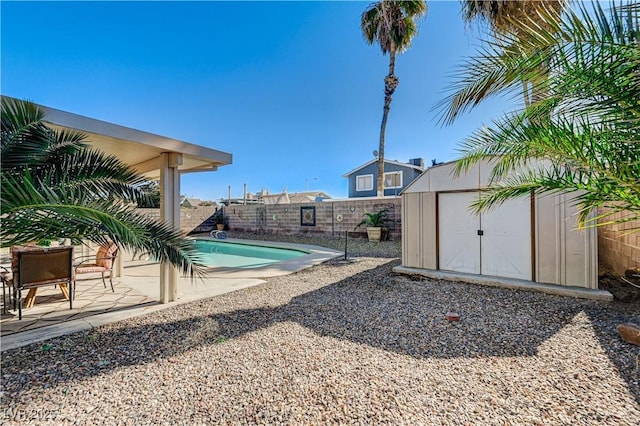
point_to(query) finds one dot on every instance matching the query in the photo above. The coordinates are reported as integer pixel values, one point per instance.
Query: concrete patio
(136, 293)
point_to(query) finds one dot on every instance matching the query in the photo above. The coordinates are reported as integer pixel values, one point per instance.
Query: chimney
(417, 162)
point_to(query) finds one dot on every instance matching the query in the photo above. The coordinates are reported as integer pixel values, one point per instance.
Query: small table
(30, 300)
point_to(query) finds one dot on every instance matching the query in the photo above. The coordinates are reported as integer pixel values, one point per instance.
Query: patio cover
(156, 157)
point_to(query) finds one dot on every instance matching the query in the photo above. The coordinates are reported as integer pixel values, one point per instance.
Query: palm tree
(391, 24)
(585, 128)
(54, 186)
(502, 16)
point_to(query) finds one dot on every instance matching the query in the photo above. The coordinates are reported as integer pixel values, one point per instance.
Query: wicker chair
(34, 267)
(103, 262)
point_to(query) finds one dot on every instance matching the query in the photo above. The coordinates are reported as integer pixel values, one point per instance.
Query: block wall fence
(331, 218)
(615, 249)
(191, 219)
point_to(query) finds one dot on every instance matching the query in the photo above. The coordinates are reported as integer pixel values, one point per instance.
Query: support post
(170, 214)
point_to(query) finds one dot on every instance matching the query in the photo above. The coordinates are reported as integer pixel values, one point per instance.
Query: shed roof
(442, 177)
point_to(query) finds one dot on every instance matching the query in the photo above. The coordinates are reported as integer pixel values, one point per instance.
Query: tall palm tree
(586, 128)
(391, 24)
(502, 16)
(55, 186)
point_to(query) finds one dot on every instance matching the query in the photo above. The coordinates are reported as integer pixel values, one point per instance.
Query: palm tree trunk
(390, 84)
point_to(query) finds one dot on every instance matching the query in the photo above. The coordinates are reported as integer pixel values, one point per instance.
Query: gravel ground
(340, 343)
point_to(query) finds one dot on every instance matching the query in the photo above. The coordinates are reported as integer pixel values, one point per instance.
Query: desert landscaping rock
(340, 343)
(630, 333)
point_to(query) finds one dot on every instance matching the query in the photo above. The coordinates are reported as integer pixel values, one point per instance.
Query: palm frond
(505, 61)
(54, 186)
(392, 23)
(584, 125)
(31, 213)
(27, 141)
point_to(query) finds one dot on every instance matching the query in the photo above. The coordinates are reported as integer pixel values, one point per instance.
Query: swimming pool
(242, 255)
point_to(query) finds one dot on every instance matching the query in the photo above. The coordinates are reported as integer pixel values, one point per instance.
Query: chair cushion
(104, 256)
(90, 267)
(6, 276)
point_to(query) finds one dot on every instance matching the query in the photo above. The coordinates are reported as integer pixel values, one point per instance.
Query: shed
(533, 239)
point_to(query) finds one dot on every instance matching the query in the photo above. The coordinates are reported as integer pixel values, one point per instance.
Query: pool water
(238, 255)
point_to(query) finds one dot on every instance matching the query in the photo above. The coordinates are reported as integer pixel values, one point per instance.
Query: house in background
(190, 202)
(295, 197)
(363, 180)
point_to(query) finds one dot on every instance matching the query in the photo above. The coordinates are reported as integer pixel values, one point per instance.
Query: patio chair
(103, 262)
(34, 267)
(7, 283)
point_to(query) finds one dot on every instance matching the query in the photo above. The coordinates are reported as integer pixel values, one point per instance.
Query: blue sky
(291, 89)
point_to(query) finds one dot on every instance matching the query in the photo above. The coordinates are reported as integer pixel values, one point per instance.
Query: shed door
(503, 250)
(459, 248)
(506, 241)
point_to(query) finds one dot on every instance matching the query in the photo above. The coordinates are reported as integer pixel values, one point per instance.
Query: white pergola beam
(149, 165)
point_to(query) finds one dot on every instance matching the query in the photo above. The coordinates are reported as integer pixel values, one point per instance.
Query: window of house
(393, 180)
(364, 183)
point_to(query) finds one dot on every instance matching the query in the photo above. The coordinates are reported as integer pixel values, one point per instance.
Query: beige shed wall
(419, 234)
(563, 255)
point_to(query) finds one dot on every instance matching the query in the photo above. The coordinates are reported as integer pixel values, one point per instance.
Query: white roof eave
(136, 147)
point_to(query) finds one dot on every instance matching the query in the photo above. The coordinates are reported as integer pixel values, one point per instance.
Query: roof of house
(293, 198)
(375, 160)
(193, 202)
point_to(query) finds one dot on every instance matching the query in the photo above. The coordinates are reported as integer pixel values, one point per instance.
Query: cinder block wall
(617, 248)
(331, 218)
(286, 218)
(191, 219)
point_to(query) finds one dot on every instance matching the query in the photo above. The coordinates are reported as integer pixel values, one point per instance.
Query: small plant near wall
(376, 224)
(219, 219)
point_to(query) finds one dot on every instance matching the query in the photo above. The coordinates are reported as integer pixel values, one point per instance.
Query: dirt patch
(622, 288)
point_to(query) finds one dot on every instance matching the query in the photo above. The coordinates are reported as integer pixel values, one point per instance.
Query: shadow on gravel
(374, 308)
(624, 356)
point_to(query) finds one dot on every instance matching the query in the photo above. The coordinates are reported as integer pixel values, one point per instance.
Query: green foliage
(498, 16)
(151, 195)
(392, 24)
(45, 242)
(583, 125)
(378, 219)
(219, 217)
(54, 186)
